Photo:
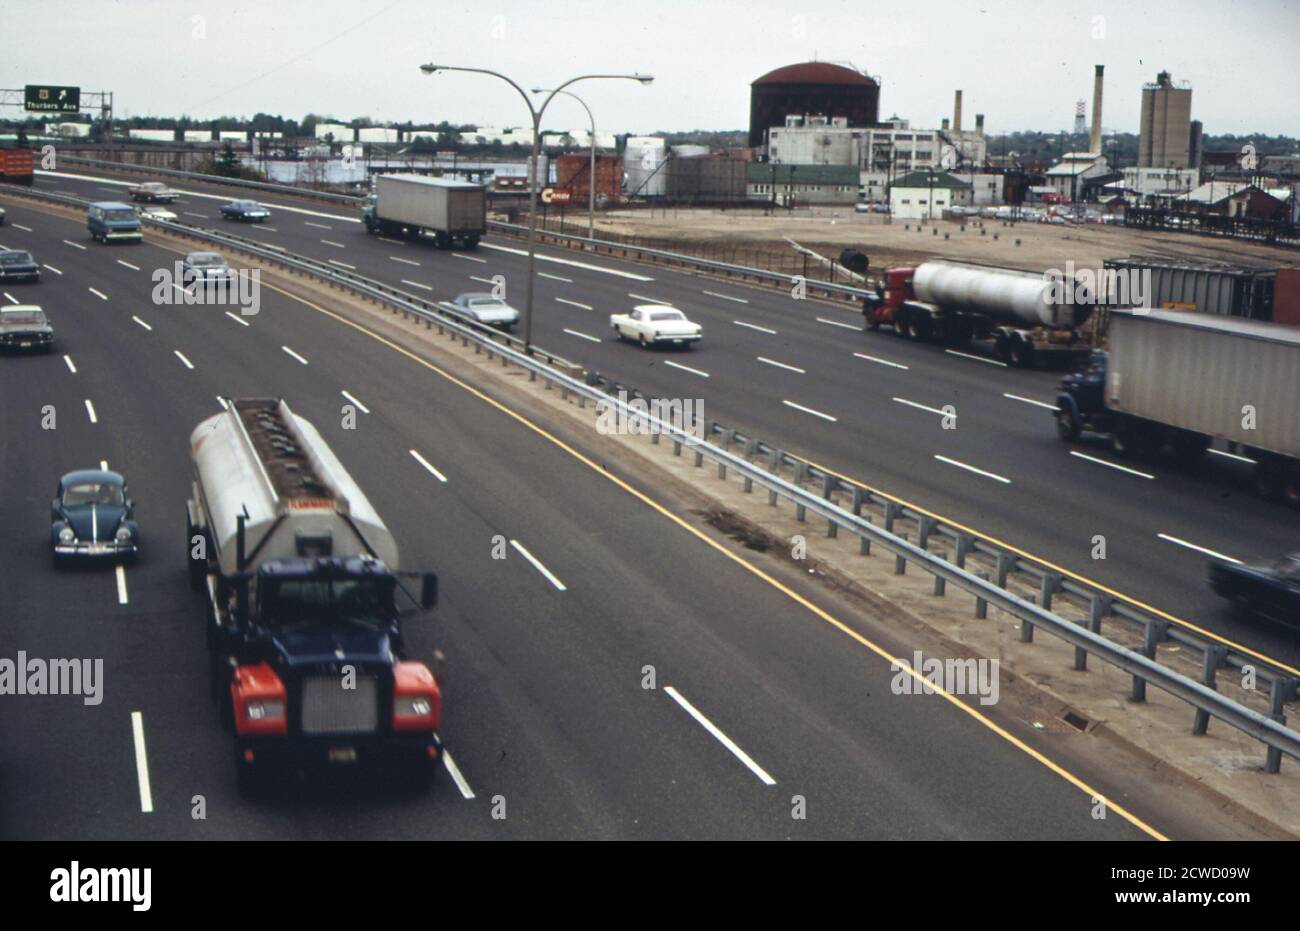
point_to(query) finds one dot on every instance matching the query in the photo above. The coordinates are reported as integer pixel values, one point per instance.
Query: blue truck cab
(111, 221)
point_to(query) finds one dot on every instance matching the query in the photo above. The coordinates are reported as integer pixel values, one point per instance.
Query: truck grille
(329, 708)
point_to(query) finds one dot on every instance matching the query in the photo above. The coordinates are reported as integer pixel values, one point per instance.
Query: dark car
(90, 516)
(154, 192)
(18, 265)
(1270, 589)
(205, 268)
(24, 326)
(246, 211)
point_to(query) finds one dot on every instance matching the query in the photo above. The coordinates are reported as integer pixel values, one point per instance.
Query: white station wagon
(656, 324)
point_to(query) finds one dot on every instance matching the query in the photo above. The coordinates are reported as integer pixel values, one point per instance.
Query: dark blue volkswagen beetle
(91, 516)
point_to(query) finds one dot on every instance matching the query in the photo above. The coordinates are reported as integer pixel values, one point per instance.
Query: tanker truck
(304, 604)
(1029, 318)
(1177, 381)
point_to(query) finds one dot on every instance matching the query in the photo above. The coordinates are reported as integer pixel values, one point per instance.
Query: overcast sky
(1023, 64)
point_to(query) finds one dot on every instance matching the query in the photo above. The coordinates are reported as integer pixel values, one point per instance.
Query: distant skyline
(1022, 64)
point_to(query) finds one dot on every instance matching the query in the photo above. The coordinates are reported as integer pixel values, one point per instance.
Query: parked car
(154, 192)
(205, 267)
(485, 309)
(157, 213)
(861, 207)
(109, 221)
(1270, 589)
(25, 326)
(654, 324)
(880, 208)
(245, 211)
(18, 265)
(91, 515)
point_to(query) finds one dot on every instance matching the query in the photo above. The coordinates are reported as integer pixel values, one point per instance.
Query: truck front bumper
(299, 753)
(101, 550)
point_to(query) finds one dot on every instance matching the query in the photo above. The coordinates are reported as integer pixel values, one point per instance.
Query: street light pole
(536, 113)
(591, 180)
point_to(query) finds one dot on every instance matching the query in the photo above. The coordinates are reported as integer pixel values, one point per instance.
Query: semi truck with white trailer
(411, 205)
(304, 604)
(1178, 381)
(1032, 319)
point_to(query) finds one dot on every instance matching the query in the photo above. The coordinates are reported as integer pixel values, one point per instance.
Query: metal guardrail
(200, 176)
(816, 287)
(1142, 665)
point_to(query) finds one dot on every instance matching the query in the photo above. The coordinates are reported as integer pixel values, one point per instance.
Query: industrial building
(926, 195)
(1166, 124)
(834, 91)
(786, 185)
(573, 173)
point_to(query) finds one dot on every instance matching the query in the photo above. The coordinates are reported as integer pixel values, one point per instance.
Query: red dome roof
(815, 72)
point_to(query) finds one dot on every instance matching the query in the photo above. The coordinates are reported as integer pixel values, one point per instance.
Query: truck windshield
(293, 601)
(121, 216)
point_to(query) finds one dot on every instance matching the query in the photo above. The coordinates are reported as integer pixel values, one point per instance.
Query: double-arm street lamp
(591, 186)
(536, 113)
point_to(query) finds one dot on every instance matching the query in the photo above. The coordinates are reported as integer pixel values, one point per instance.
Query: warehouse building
(926, 195)
(792, 185)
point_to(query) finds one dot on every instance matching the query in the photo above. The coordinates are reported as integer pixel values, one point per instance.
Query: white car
(655, 324)
(157, 213)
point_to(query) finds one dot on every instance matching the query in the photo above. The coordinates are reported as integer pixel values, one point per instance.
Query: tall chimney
(1094, 143)
(979, 124)
(956, 113)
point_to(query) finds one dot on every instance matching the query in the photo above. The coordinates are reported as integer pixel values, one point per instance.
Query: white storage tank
(643, 161)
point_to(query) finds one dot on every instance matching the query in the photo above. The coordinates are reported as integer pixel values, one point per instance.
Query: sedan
(245, 211)
(24, 326)
(1270, 589)
(485, 309)
(205, 267)
(18, 265)
(91, 516)
(656, 324)
(154, 192)
(157, 213)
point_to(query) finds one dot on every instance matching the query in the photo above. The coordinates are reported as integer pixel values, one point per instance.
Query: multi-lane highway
(546, 653)
(802, 375)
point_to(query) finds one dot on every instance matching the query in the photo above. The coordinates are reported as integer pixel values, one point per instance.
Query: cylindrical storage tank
(643, 164)
(1007, 295)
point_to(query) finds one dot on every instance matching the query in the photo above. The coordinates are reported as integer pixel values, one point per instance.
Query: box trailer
(409, 205)
(1178, 380)
(16, 166)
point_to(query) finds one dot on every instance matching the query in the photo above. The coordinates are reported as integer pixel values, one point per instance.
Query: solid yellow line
(1061, 569)
(754, 570)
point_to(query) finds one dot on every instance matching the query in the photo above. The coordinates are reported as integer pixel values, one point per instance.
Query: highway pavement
(758, 708)
(803, 375)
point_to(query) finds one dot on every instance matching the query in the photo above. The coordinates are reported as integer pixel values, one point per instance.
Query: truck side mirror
(428, 590)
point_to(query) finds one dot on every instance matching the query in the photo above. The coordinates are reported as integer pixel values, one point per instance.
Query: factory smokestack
(1094, 143)
(956, 113)
(979, 124)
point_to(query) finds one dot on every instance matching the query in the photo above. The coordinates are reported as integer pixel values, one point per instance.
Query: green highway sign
(51, 99)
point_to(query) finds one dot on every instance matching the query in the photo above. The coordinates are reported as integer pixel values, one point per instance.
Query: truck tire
(471, 243)
(1128, 440)
(1291, 484)
(1067, 428)
(1021, 353)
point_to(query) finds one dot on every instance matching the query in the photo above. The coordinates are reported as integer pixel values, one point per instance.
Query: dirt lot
(747, 236)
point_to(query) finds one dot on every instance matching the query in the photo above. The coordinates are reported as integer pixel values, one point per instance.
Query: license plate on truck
(343, 754)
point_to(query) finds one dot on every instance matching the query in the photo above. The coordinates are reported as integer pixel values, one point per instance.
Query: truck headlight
(412, 706)
(66, 535)
(123, 534)
(268, 710)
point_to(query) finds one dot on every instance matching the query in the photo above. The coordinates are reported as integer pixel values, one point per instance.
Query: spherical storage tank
(813, 87)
